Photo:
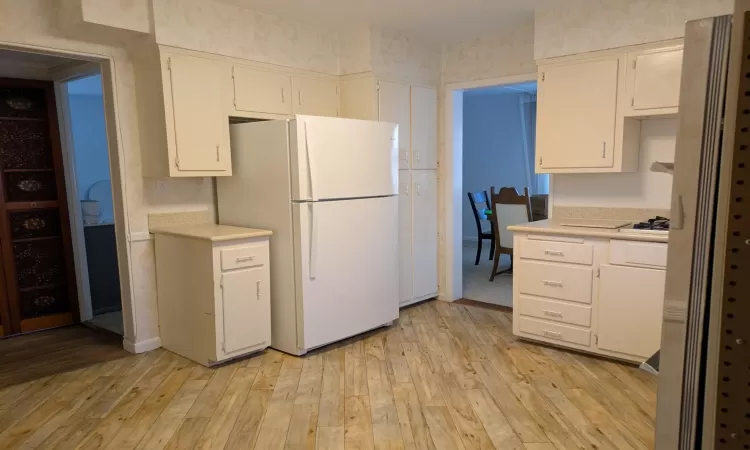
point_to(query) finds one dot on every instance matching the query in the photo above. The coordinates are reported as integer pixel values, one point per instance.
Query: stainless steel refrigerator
(693, 332)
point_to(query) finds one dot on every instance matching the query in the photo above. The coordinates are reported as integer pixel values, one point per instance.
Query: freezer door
(348, 265)
(334, 158)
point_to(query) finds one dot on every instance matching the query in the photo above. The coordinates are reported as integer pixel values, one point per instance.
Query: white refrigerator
(327, 188)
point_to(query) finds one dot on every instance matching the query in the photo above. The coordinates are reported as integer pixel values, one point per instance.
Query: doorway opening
(499, 125)
(54, 154)
(91, 190)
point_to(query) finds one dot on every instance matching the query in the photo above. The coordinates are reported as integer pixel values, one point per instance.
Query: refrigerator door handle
(313, 240)
(310, 170)
(677, 221)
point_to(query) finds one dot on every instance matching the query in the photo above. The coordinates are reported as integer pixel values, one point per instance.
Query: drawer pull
(553, 313)
(245, 258)
(552, 283)
(554, 253)
(552, 334)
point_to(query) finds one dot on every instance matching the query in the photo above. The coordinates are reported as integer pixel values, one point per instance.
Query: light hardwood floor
(444, 377)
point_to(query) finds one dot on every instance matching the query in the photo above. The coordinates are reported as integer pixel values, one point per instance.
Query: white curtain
(538, 184)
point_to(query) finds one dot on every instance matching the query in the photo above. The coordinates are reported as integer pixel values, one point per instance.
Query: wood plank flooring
(444, 377)
(36, 355)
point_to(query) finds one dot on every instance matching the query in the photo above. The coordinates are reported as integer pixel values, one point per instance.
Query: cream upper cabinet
(394, 101)
(576, 110)
(261, 91)
(183, 124)
(590, 106)
(654, 81)
(423, 128)
(413, 108)
(201, 127)
(315, 96)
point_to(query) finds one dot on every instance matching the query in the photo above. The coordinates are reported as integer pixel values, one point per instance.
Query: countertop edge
(588, 232)
(224, 238)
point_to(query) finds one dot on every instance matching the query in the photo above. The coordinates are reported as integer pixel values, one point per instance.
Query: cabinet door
(315, 97)
(630, 309)
(394, 99)
(246, 304)
(423, 128)
(425, 247)
(576, 115)
(201, 123)
(262, 91)
(405, 265)
(656, 79)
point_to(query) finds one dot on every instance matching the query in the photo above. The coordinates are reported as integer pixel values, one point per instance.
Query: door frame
(451, 166)
(118, 169)
(71, 184)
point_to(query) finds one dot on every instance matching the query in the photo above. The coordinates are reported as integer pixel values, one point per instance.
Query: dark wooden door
(38, 284)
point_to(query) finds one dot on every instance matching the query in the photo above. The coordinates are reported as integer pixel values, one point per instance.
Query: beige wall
(398, 56)
(134, 15)
(510, 52)
(229, 30)
(579, 26)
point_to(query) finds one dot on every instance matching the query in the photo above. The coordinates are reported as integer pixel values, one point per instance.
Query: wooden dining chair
(479, 201)
(508, 208)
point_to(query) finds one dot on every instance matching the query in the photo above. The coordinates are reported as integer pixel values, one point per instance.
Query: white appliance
(327, 188)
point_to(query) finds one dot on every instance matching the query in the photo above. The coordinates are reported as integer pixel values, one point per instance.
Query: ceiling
(436, 20)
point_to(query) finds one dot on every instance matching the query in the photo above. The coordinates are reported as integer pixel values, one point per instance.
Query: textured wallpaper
(579, 26)
(402, 57)
(509, 52)
(354, 52)
(233, 31)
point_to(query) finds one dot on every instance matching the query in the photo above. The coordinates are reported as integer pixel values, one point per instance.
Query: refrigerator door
(333, 158)
(692, 224)
(347, 266)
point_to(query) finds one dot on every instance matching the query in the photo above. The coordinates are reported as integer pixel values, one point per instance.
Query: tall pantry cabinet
(414, 109)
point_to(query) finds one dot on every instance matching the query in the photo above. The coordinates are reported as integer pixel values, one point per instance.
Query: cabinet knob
(554, 253)
(218, 156)
(552, 283)
(244, 258)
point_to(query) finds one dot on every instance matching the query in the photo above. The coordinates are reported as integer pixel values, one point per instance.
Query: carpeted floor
(477, 284)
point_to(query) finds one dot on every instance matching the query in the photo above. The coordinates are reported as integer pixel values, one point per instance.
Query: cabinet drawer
(555, 311)
(554, 281)
(554, 331)
(629, 253)
(245, 256)
(557, 251)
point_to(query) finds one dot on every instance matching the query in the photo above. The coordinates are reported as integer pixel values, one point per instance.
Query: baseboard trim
(141, 346)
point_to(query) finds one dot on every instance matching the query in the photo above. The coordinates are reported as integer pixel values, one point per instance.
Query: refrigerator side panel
(349, 267)
(258, 195)
(338, 158)
(688, 259)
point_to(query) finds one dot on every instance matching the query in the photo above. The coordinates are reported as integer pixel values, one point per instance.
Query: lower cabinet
(418, 235)
(244, 294)
(631, 300)
(597, 295)
(213, 296)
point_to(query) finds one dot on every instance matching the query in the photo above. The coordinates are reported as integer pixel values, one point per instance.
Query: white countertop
(554, 227)
(212, 232)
